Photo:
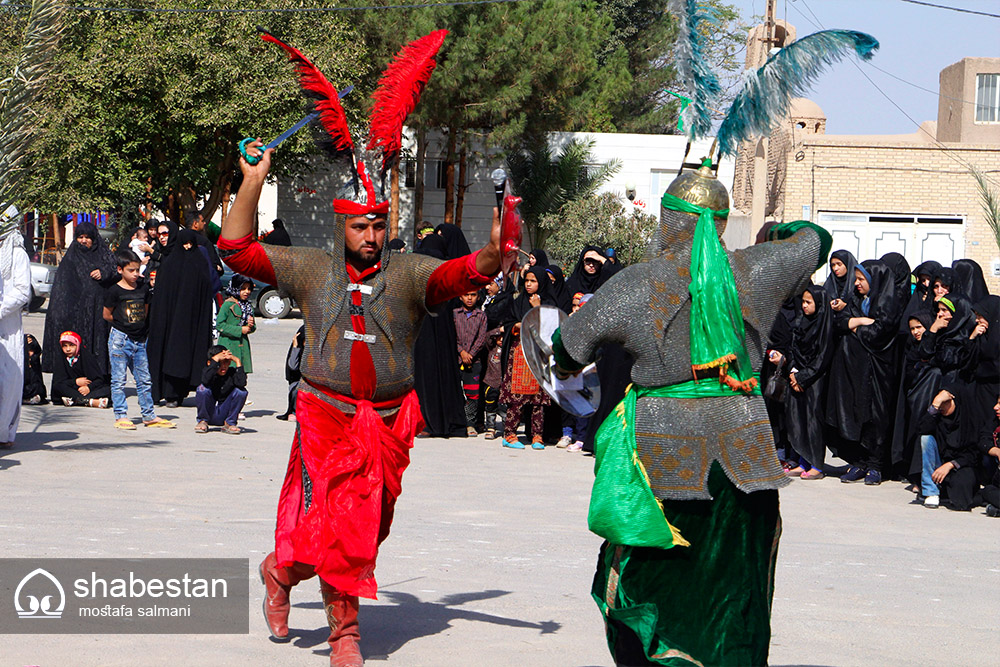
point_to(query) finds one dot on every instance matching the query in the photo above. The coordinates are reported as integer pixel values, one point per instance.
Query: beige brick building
(913, 193)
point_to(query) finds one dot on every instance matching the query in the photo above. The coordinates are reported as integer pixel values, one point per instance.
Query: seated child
(33, 392)
(76, 378)
(222, 392)
(950, 456)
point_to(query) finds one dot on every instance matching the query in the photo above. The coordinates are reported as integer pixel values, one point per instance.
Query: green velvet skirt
(706, 604)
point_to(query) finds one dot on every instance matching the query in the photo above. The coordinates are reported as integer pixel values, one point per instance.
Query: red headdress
(395, 97)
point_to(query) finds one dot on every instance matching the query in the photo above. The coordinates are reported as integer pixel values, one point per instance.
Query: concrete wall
(956, 104)
(907, 178)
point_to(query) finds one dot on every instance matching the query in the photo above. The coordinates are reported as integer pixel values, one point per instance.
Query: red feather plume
(326, 99)
(398, 91)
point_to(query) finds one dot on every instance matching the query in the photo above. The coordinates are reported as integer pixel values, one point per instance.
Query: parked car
(42, 277)
(266, 299)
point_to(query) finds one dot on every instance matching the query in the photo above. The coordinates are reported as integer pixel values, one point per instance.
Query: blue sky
(917, 42)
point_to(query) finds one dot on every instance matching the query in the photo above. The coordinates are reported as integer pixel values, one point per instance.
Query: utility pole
(758, 199)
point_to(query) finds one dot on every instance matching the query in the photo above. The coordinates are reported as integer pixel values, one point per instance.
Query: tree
(599, 220)
(547, 181)
(151, 105)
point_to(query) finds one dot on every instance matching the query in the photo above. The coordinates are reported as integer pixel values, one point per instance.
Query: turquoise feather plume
(696, 76)
(764, 99)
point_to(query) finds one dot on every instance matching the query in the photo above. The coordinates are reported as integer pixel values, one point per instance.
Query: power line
(954, 9)
(261, 10)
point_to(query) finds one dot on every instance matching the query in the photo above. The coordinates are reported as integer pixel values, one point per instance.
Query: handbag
(777, 384)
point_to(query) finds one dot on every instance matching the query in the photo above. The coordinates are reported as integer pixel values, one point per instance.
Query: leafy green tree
(600, 220)
(547, 181)
(151, 105)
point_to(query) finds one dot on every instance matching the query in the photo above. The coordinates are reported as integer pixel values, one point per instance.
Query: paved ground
(489, 562)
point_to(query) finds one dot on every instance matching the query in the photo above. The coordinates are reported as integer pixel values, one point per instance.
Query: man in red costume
(357, 412)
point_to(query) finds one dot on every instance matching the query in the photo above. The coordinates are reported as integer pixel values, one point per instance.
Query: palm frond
(767, 92)
(989, 199)
(20, 93)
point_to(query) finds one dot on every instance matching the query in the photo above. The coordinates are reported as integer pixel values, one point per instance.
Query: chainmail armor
(326, 355)
(647, 308)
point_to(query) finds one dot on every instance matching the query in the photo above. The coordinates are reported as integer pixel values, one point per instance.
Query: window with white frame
(988, 98)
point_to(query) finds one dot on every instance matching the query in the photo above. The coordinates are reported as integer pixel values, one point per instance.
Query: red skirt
(356, 467)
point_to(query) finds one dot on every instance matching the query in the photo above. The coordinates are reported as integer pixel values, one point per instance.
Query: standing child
(519, 388)
(235, 321)
(126, 307)
(76, 378)
(293, 371)
(492, 382)
(470, 333)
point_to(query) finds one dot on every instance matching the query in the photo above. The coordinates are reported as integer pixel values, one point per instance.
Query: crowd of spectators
(155, 306)
(897, 372)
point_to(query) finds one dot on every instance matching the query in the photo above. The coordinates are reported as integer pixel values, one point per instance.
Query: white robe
(15, 292)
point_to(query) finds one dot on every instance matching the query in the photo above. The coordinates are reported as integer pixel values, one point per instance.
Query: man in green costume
(686, 475)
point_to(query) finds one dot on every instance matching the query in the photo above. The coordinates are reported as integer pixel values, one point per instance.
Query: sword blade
(302, 123)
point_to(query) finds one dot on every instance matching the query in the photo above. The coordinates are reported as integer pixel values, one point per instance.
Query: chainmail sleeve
(766, 275)
(298, 268)
(606, 317)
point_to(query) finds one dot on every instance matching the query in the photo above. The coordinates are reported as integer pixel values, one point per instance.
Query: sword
(284, 135)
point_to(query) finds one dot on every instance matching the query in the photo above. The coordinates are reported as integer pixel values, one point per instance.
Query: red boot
(278, 582)
(342, 615)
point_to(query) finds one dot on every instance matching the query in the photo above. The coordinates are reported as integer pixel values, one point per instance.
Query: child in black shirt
(33, 392)
(222, 392)
(126, 306)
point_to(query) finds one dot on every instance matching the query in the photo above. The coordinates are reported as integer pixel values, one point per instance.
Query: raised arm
(237, 247)
(458, 276)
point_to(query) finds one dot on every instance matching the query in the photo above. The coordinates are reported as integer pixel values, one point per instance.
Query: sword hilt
(251, 160)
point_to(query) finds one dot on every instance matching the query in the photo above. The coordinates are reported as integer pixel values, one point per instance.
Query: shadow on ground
(385, 628)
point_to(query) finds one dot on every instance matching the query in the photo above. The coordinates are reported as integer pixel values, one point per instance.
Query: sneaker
(67, 401)
(853, 474)
(34, 400)
(98, 402)
(201, 427)
(231, 429)
(991, 510)
(125, 424)
(171, 404)
(932, 502)
(160, 422)
(512, 443)
(564, 442)
(471, 432)
(241, 417)
(873, 478)
(575, 447)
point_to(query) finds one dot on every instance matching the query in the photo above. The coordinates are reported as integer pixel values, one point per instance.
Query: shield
(579, 394)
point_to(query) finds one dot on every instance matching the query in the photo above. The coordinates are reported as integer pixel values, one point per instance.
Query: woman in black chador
(862, 385)
(810, 354)
(180, 318)
(983, 368)
(77, 299)
(436, 375)
(588, 274)
(920, 382)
